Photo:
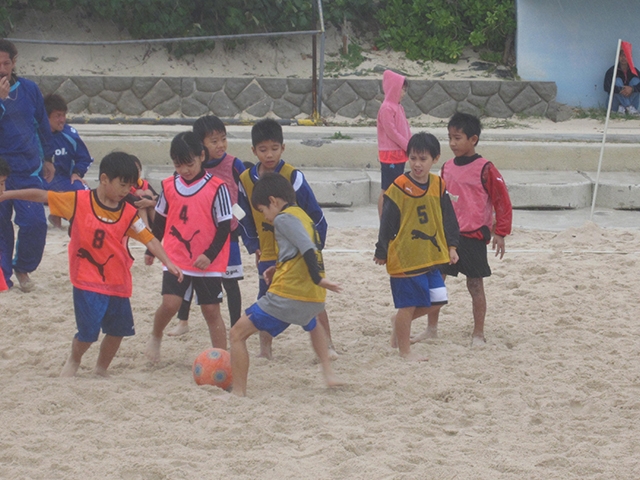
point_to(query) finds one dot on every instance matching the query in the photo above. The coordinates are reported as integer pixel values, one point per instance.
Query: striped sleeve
(222, 205)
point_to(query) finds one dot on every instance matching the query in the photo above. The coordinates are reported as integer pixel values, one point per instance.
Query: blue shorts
(95, 310)
(390, 171)
(419, 291)
(266, 323)
(262, 285)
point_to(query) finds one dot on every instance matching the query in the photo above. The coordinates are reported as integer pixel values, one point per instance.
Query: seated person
(626, 92)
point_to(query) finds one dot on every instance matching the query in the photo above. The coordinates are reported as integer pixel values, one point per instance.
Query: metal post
(322, 48)
(606, 124)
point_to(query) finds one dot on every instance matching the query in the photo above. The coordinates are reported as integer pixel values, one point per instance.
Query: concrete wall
(573, 43)
(291, 98)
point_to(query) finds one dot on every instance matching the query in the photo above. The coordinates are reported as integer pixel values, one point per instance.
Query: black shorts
(208, 289)
(472, 261)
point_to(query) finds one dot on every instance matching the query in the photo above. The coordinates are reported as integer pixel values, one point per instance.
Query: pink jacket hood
(392, 83)
(393, 128)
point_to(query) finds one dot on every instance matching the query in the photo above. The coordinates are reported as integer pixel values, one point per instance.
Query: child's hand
(498, 245)
(175, 271)
(148, 259)
(48, 171)
(334, 287)
(267, 275)
(453, 256)
(144, 203)
(75, 177)
(380, 261)
(202, 262)
(5, 86)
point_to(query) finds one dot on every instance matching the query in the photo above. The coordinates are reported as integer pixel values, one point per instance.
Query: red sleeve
(499, 196)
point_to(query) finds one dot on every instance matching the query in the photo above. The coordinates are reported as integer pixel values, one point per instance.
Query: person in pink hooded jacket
(393, 131)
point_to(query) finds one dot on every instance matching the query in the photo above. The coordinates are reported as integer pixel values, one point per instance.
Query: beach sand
(554, 394)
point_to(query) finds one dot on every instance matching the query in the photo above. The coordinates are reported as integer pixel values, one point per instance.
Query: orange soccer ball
(213, 367)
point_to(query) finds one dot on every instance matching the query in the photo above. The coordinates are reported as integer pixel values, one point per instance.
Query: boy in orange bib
(99, 259)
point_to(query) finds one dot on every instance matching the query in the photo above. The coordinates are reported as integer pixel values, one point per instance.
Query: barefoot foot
(180, 329)
(333, 381)
(478, 341)
(153, 349)
(101, 372)
(26, 284)
(429, 334)
(414, 357)
(70, 368)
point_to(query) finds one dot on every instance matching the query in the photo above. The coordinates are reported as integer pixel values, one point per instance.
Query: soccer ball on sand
(213, 367)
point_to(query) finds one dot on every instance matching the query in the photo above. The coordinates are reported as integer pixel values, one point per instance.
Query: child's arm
(501, 202)
(28, 194)
(155, 247)
(247, 223)
(450, 224)
(306, 200)
(389, 226)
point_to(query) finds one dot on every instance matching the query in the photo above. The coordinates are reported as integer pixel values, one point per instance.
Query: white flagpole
(606, 124)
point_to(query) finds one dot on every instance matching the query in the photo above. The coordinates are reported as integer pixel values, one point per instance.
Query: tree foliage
(423, 29)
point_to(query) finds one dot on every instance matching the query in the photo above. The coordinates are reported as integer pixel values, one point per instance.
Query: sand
(554, 394)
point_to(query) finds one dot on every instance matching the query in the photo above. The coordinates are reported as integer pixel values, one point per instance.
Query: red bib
(99, 260)
(190, 225)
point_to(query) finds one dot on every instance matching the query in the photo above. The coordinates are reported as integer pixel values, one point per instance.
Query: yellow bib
(420, 242)
(292, 279)
(264, 228)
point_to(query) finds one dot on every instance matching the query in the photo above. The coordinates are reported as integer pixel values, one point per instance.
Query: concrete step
(336, 187)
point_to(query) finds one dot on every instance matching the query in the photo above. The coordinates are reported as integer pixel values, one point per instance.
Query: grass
(351, 60)
(600, 114)
(339, 136)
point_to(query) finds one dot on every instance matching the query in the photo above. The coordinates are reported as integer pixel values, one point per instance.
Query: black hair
(424, 142)
(207, 125)
(8, 47)
(119, 165)
(185, 147)
(54, 103)
(137, 161)
(272, 185)
(267, 129)
(5, 170)
(466, 123)
(248, 165)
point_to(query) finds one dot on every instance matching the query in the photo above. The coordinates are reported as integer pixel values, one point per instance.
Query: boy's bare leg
(404, 317)
(217, 330)
(479, 303)
(242, 330)
(323, 319)
(265, 346)
(183, 320)
(431, 331)
(108, 349)
(72, 364)
(180, 329)
(167, 309)
(320, 346)
(394, 337)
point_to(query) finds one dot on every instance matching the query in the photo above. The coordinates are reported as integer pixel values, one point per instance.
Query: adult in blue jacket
(25, 142)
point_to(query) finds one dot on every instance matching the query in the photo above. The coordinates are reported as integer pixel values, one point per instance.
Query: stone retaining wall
(289, 98)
